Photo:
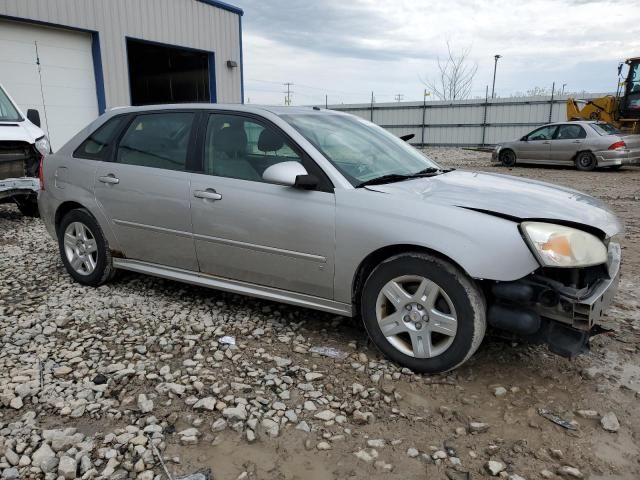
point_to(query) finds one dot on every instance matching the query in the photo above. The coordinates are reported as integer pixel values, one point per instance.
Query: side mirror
(523, 139)
(407, 137)
(290, 174)
(34, 117)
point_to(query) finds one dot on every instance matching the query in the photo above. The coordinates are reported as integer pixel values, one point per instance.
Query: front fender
(485, 246)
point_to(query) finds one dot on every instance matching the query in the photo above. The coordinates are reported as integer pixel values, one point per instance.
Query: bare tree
(455, 76)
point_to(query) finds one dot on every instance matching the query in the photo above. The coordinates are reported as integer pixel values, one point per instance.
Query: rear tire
(508, 158)
(84, 250)
(423, 313)
(586, 161)
(28, 205)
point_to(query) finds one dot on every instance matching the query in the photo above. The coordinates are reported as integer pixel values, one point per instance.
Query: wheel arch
(65, 208)
(373, 259)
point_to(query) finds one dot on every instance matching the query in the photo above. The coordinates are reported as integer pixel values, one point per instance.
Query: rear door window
(157, 140)
(570, 132)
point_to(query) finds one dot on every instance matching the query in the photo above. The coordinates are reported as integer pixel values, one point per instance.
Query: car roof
(237, 107)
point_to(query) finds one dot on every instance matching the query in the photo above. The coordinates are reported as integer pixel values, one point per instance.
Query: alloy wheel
(416, 316)
(80, 248)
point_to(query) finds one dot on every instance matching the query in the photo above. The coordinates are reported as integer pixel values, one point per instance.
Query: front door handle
(110, 179)
(209, 194)
(546, 143)
(577, 141)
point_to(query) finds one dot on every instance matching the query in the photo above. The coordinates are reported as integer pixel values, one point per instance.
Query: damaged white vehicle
(22, 146)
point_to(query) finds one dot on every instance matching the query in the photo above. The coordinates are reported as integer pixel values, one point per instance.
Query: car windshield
(8, 112)
(360, 150)
(603, 128)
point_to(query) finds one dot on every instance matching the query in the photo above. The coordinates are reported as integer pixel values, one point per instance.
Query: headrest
(270, 141)
(232, 139)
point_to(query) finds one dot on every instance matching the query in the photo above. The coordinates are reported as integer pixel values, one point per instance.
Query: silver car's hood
(510, 196)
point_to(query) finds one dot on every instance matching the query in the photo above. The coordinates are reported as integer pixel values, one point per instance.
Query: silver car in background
(584, 144)
(324, 210)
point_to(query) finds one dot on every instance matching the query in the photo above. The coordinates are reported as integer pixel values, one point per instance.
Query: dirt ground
(431, 414)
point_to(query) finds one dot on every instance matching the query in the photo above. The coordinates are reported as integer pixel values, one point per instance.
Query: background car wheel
(586, 162)
(28, 205)
(508, 158)
(423, 312)
(84, 250)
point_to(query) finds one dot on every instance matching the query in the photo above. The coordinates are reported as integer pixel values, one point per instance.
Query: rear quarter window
(96, 146)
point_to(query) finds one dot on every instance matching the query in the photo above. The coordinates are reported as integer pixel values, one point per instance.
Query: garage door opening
(162, 74)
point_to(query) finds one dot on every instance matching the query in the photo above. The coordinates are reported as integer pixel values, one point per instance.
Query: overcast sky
(348, 48)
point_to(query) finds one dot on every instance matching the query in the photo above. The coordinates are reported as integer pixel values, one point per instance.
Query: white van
(22, 146)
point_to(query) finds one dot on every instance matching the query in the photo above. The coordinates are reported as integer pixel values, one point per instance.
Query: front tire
(508, 158)
(84, 250)
(586, 161)
(423, 313)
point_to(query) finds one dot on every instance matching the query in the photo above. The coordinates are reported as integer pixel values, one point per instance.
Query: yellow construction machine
(621, 110)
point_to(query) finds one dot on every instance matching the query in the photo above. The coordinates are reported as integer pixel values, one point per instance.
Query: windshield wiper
(396, 177)
(390, 178)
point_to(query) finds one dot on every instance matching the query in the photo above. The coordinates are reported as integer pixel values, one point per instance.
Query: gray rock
(303, 426)
(310, 377)
(12, 457)
(145, 404)
(271, 427)
(219, 425)
(67, 468)
(567, 471)
(44, 458)
(412, 452)
(366, 456)
(610, 422)
(235, 413)
(478, 427)
(325, 415)
(10, 474)
(494, 468)
(208, 403)
(500, 392)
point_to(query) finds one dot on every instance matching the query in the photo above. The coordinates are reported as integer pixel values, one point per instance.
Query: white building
(73, 59)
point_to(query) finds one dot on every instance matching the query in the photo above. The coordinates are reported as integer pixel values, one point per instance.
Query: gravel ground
(105, 382)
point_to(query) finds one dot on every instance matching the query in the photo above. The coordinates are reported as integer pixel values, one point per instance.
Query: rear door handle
(577, 141)
(110, 179)
(209, 194)
(546, 143)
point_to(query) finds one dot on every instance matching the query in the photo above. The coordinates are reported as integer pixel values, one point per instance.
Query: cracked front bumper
(582, 310)
(541, 309)
(19, 186)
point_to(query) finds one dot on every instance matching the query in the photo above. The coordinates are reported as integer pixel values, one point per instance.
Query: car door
(567, 141)
(535, 147)
(144, 191)
(249, 230)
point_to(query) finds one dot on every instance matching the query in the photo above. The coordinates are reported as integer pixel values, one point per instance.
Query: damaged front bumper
(540, 309)
(10, 187)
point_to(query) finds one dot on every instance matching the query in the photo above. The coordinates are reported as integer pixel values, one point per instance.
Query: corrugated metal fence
(463, 122)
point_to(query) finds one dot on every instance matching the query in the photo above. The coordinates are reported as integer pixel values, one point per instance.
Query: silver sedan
(585, 144)
(327, 211)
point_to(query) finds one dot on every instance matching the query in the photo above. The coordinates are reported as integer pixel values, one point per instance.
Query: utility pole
(563, 85)
(287, 99)
(372, 102)
(326, 102)
(495, 67)
(399, 97)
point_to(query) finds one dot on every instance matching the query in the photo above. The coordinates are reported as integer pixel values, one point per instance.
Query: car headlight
(560, 246)
(43, 145)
